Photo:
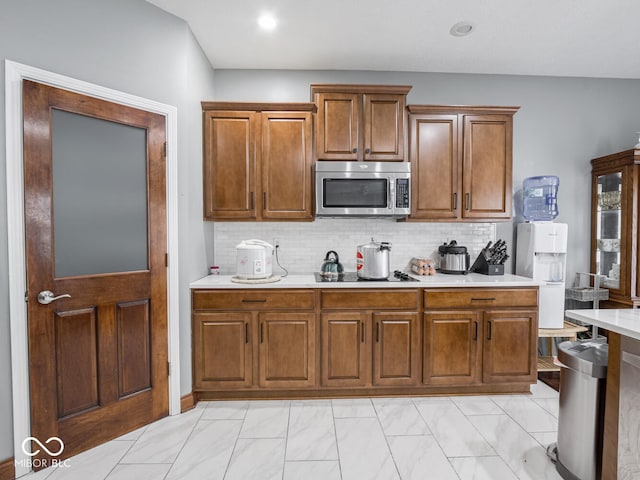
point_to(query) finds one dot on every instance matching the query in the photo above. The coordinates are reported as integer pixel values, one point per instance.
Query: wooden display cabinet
(461, 162)
(615, 193)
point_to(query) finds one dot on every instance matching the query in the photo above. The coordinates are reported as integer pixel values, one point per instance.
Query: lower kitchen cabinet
(396, 348)
(376, 348)
(478, 335)
(510, 346)
(287, 349)
(261, 343)
(222, 353)
(451, 353)
(345, 350)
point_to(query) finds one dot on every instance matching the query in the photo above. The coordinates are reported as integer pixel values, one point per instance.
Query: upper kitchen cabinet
(257, 161)
(614, 226)
(360, 122)
(461, 162)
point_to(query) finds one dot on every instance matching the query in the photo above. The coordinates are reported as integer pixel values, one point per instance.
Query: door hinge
(26, 296)
(168, 369)
(164, 150)
(166, 259)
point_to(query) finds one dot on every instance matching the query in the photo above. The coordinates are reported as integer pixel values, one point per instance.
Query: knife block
(481, 266)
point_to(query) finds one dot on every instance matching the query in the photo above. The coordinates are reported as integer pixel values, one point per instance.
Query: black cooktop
(349, 277)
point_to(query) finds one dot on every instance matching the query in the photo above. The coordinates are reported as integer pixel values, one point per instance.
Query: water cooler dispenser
(542, 255)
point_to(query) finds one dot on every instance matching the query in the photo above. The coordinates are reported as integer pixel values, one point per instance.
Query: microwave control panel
(402, 193)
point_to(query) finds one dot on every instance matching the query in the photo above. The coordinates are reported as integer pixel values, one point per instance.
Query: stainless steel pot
(372, 260)
(453, 258)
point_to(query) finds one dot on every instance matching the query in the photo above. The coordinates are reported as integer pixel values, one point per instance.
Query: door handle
(45, 297)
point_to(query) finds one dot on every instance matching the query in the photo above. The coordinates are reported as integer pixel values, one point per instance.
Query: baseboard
(7, 470)
(187, 402)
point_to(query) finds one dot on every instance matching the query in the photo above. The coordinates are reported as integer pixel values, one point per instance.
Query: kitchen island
(442, 334)
(621, 452)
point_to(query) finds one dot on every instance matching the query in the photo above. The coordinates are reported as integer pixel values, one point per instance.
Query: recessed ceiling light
(461, 29)
(267, 21)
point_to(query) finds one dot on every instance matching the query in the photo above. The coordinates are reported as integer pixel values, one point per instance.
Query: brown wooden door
(97, 359)
(396, 350)
(286, 166)
(505, 357)
(451, 353)
(435, 166)
(287, 349)
(337, 128)
(222, 350)
(230, 164)
(346, 349)
(383, 128)
(487, 166)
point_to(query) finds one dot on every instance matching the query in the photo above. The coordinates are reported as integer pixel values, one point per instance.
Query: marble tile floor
(497, 437)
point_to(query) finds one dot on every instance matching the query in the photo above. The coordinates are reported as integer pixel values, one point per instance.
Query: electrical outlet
(276, 242)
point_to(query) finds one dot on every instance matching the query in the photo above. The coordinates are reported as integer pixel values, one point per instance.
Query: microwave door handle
(391, 201)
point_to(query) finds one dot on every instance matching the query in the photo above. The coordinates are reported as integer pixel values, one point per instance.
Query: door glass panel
(99, 196)
(609, 227)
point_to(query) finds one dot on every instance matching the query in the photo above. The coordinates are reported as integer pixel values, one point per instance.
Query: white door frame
(14, 74)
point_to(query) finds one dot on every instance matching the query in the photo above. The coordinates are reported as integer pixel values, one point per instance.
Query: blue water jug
(540, 198)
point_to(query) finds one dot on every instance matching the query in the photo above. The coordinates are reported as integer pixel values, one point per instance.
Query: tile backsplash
(303, 246)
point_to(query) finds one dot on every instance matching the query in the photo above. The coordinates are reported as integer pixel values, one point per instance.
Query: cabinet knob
(367, 150)
(355, 150)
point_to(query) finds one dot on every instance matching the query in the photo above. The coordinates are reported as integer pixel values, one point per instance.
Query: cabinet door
(286, 165)
(337, 135)
(396, 350)
(435, 166)
(222, 356)
(487, 182)
(346, 349)
(510, 346)
(287, 349)
(384, 127)
(451, 354)
(230, 165)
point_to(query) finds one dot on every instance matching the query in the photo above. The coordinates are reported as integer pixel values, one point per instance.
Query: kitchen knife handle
(455, 200)
(468, 200)
(489, 336)
(475, 333)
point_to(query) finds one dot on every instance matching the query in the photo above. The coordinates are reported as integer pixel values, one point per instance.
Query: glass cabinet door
(609, 228)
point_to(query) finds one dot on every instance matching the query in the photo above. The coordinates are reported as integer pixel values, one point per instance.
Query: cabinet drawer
(370, 299)
(481, 298)
(252, 299)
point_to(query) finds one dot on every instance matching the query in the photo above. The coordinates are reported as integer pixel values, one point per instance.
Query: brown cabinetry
(360, 122)
(257, 161)
(257, 339)
(461, 162)
(615, 191)
(375, 346)
(466, 329)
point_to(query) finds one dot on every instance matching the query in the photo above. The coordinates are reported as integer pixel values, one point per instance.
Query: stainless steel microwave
(363, 189)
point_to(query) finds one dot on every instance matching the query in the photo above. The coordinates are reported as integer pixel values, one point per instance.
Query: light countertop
(625, 321)
(440, 280)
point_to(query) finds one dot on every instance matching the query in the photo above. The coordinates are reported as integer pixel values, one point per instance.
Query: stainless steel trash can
(583, 377)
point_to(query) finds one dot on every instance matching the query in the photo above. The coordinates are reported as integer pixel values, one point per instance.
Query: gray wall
(562, 124)
(134, 47)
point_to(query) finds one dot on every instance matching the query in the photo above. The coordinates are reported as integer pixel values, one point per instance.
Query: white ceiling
(579, 38)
